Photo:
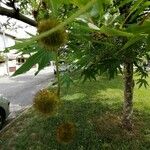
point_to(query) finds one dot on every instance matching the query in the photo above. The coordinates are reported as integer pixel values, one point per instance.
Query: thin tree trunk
(58, 75)
(128, 95)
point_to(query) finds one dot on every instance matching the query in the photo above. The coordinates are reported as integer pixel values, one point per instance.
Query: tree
(108, 49)
(108, 34)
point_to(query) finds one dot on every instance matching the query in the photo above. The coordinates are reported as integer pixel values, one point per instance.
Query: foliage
(38, 56)
(106, 34)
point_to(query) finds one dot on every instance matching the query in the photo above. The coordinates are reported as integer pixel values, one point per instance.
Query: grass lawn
(95, 109)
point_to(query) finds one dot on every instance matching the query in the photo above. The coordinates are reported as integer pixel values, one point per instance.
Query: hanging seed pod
(65, 132)
(46, 102)
(54, 40)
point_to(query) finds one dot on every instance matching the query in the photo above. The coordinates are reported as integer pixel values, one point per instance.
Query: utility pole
(7, 59)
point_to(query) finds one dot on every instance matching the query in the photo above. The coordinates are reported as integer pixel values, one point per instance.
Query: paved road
(21, 89)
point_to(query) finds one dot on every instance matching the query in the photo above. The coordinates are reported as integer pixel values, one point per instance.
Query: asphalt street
(20, 90)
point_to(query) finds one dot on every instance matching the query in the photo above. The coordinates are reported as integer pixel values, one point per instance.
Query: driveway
(20, 90)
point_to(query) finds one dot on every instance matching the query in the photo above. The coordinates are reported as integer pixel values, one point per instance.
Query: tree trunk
(128, 95)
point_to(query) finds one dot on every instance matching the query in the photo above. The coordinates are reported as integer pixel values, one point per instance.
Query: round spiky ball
(54, 40)
(65, 132)
(46, 102)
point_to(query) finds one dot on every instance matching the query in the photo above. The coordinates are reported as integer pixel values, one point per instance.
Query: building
(9, 65)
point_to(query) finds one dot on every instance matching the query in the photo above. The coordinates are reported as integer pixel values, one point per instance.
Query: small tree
(119, 38)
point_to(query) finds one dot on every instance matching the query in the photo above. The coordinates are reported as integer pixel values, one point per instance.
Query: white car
(4, 110)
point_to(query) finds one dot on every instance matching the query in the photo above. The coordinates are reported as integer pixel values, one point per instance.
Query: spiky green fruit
(46, 102)
(54, 40)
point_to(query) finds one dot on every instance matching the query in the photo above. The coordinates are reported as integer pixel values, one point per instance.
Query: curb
(14, 120)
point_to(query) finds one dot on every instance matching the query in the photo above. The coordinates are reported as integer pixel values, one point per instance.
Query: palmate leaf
(138, 29)
(20, 44)
(148, 43)
(140, 10)
(81, 3)
(124, 2)
(89, 72)
(32, 48)
(55, 4)
(66, 80)
(132, 41)
(47, 56)
(115, 32)
(99, 7)
(133, 8)
(142, 82)
(31, 61)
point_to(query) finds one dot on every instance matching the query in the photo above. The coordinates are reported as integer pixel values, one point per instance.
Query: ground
(95, 109)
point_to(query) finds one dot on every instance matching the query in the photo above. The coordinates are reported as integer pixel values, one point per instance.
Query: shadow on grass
(97, 127)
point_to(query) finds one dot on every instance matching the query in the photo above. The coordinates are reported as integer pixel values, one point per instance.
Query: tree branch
(12, 14)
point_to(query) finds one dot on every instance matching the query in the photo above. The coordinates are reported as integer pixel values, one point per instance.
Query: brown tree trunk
(128, 95)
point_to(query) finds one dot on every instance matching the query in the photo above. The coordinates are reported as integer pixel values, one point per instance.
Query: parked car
(4, 110)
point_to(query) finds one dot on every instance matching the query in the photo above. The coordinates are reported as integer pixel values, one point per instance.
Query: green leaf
(132, 9)
(100, 7)
(132, 41)
(138, 29)
(148, 43)
(115, 32)
(45, 59)
(135, 6)
(79, 3)
(142, 82)
(140, 10)
(31, 61)
(66, 80)
(20, 44)
(124, 2)
(55, 4)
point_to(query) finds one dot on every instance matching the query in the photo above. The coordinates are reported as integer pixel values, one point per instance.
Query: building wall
(9, 41)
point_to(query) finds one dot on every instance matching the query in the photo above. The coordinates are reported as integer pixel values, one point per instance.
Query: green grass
(95, 108)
